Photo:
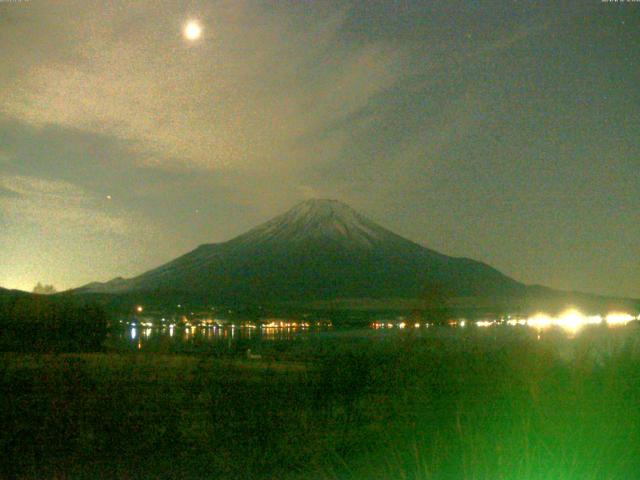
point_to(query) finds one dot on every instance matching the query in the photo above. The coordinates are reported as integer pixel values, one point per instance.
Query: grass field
(494, 404)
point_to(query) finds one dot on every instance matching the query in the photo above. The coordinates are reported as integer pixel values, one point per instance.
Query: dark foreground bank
(476, 405)
(45, 324)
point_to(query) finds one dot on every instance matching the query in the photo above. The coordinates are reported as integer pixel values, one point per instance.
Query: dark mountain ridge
(318, 250)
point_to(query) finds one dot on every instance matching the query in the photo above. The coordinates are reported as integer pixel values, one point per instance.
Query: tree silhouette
(44, 289)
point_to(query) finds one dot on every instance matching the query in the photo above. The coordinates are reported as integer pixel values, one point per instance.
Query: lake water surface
(243, 339)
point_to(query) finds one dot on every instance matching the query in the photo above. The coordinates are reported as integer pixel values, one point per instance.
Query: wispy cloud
(58, 232)
(254, 86)
(55, 205)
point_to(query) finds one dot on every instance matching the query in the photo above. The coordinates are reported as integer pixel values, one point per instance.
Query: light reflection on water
(569, 323)
(178, 334)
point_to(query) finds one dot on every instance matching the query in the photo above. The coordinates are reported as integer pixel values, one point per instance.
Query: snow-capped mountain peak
(318, 219)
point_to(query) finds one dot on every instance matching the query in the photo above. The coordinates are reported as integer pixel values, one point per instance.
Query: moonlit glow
(192, 30)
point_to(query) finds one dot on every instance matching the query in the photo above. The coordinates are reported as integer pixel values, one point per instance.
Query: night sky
(508, 132)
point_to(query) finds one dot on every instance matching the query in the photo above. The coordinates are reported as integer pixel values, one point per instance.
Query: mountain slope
(15, 293)
(320, 249)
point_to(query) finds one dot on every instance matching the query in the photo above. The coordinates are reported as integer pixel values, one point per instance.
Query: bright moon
(192, 30)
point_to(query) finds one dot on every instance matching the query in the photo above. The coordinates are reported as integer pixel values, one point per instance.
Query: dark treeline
(35, 323)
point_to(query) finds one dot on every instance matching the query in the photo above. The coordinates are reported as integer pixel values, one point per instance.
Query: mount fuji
(318, 250)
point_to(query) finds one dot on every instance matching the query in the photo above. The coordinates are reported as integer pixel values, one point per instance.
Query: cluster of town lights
(223, 324)
(570, 320)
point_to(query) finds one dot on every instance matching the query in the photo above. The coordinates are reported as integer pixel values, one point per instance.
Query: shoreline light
(540, 321)
(618, 318)
(570, 320)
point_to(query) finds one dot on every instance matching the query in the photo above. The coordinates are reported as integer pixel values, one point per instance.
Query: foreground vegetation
(494, 404)
(39, 323)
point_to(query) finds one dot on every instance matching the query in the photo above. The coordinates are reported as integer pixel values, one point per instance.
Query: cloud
(54, 206)
(61, 233)
(257, 84)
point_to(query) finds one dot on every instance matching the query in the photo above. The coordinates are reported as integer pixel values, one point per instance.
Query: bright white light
(484, 323)
(192, 30)
(617, 318)
(571, 320)
(540, 320)
(595, 319)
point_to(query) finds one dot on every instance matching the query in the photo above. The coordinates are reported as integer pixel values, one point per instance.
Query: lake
(564, 333)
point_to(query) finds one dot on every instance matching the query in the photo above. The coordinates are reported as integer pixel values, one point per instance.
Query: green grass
(494, 404)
